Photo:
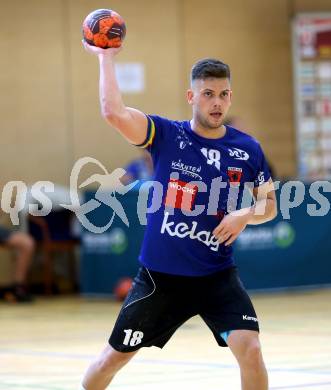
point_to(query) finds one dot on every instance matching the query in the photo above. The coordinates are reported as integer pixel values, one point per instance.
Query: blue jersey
(202, 180)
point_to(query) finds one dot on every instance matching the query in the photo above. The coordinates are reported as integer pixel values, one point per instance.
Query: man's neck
(211, 133)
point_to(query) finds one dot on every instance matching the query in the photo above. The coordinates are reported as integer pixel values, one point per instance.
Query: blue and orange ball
(104, 28)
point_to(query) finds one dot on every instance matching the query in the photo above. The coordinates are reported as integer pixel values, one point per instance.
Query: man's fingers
(85, 44)
(98, 50)
(92, 49)
(87, 47)
(218, 230)
(224, 237)
(231, 239)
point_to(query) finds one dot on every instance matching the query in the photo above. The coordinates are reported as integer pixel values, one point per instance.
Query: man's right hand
(99, 51)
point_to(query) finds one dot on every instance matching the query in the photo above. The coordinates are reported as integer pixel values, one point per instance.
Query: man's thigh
(228, 307)
(150, 315)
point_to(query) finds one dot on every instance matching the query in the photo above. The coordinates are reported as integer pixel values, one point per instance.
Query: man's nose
(217, 101)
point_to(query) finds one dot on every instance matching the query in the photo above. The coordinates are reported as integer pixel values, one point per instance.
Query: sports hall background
(49, 102)
(50, 117)
(49, 107)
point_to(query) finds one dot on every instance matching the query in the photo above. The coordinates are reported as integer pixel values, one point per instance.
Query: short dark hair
(210, 67)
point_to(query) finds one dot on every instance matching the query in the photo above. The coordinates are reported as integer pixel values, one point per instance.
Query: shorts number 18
(132, 338)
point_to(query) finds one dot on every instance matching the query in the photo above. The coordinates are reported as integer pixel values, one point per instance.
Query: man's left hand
(232, 225)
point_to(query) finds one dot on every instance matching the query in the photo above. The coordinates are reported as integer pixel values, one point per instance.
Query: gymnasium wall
(49, 103)
(49, 108)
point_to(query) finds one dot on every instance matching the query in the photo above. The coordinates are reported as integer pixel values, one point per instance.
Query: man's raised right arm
(131, 123)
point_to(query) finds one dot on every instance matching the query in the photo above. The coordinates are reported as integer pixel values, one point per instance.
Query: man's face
(210, 100)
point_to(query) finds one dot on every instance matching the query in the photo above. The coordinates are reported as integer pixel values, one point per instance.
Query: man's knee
(112, 361)
(252, 356)
(247, 348)
(30, 244)
(22, 241)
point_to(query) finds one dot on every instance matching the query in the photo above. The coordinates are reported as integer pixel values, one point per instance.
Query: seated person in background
(140, 168)
(23, 246)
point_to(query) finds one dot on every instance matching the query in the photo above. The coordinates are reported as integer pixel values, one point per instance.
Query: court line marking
(52, 387)
(300, 386)
(30, 386)
(63, 355)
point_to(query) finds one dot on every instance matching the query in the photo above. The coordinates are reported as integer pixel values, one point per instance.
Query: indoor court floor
(48, 345)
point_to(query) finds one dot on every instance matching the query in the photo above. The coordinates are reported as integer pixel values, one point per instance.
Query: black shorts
(158, 304)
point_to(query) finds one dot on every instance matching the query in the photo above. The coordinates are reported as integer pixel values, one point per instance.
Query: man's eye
(225, 93)
(207, 93)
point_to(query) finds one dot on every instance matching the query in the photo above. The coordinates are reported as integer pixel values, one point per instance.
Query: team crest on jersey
(238, 154)
(182, 139)
(234, 174)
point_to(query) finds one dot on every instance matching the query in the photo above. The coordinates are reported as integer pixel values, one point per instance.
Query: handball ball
(122, 288)
(104, 28)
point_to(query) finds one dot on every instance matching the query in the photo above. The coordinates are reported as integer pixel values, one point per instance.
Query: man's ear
(189, 96)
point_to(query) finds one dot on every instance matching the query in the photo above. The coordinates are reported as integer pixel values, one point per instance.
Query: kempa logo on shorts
(238, 154)
(182, 230)
(248, 318)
